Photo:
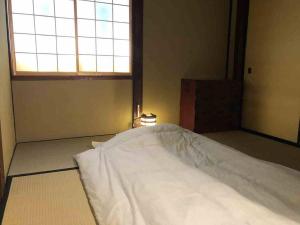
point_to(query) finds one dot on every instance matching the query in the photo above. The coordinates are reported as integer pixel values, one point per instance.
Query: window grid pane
(109, 40)
(103, 35)
(56, 40)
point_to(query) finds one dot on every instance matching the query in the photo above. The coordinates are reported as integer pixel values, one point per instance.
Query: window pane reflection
(103, 11)
(44, 7)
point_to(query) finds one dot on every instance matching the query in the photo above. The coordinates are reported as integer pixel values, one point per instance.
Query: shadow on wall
(181, 41)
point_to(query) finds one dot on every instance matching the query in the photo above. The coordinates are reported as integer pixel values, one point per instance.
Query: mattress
(166, 175)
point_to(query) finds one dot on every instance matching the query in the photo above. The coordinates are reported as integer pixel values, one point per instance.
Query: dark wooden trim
(242, 15)
(68, 138)
(10, 36)
(13, 155)
(76, 36)
(66, 74)
(271, 137)
(137, 56)
(228, 39)
(241, 39)
(39, 78)
(5, 197)
(45, 172)
(9, 44)
(2, 177)
(298, 141)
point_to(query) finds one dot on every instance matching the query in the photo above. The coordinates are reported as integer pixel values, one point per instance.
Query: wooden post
(299, 133)
(2, 178)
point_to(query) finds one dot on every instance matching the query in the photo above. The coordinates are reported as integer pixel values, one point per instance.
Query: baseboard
(272, 137)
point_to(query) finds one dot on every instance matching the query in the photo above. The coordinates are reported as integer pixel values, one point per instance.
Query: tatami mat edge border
(5, 197)
(9, 181)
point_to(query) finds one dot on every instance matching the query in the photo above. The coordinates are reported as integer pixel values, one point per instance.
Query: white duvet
(165, 175)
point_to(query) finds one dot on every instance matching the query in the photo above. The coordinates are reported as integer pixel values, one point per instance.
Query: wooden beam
(137, 56)
(228, 39)
(2, 178)
(241, 39)
(298, 141)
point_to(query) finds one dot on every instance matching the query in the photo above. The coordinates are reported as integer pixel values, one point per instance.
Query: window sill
(70, 77)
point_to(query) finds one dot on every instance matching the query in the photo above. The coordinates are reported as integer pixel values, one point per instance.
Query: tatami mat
(50, 155)
(48, 199)
(58, 154)
(260, 147)
(59, 198)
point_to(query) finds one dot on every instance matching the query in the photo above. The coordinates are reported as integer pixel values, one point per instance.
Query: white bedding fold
(165, 175)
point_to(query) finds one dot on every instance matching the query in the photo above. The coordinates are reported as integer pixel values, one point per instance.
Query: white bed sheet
(166, 175)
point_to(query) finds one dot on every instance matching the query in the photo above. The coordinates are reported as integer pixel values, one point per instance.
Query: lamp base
(137, 123)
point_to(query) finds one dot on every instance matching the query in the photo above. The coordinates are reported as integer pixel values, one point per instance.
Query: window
(70, 37)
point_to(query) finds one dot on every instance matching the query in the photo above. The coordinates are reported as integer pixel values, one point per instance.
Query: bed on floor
(166, 175)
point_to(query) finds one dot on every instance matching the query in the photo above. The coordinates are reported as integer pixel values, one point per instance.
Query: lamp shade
(148, 119)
